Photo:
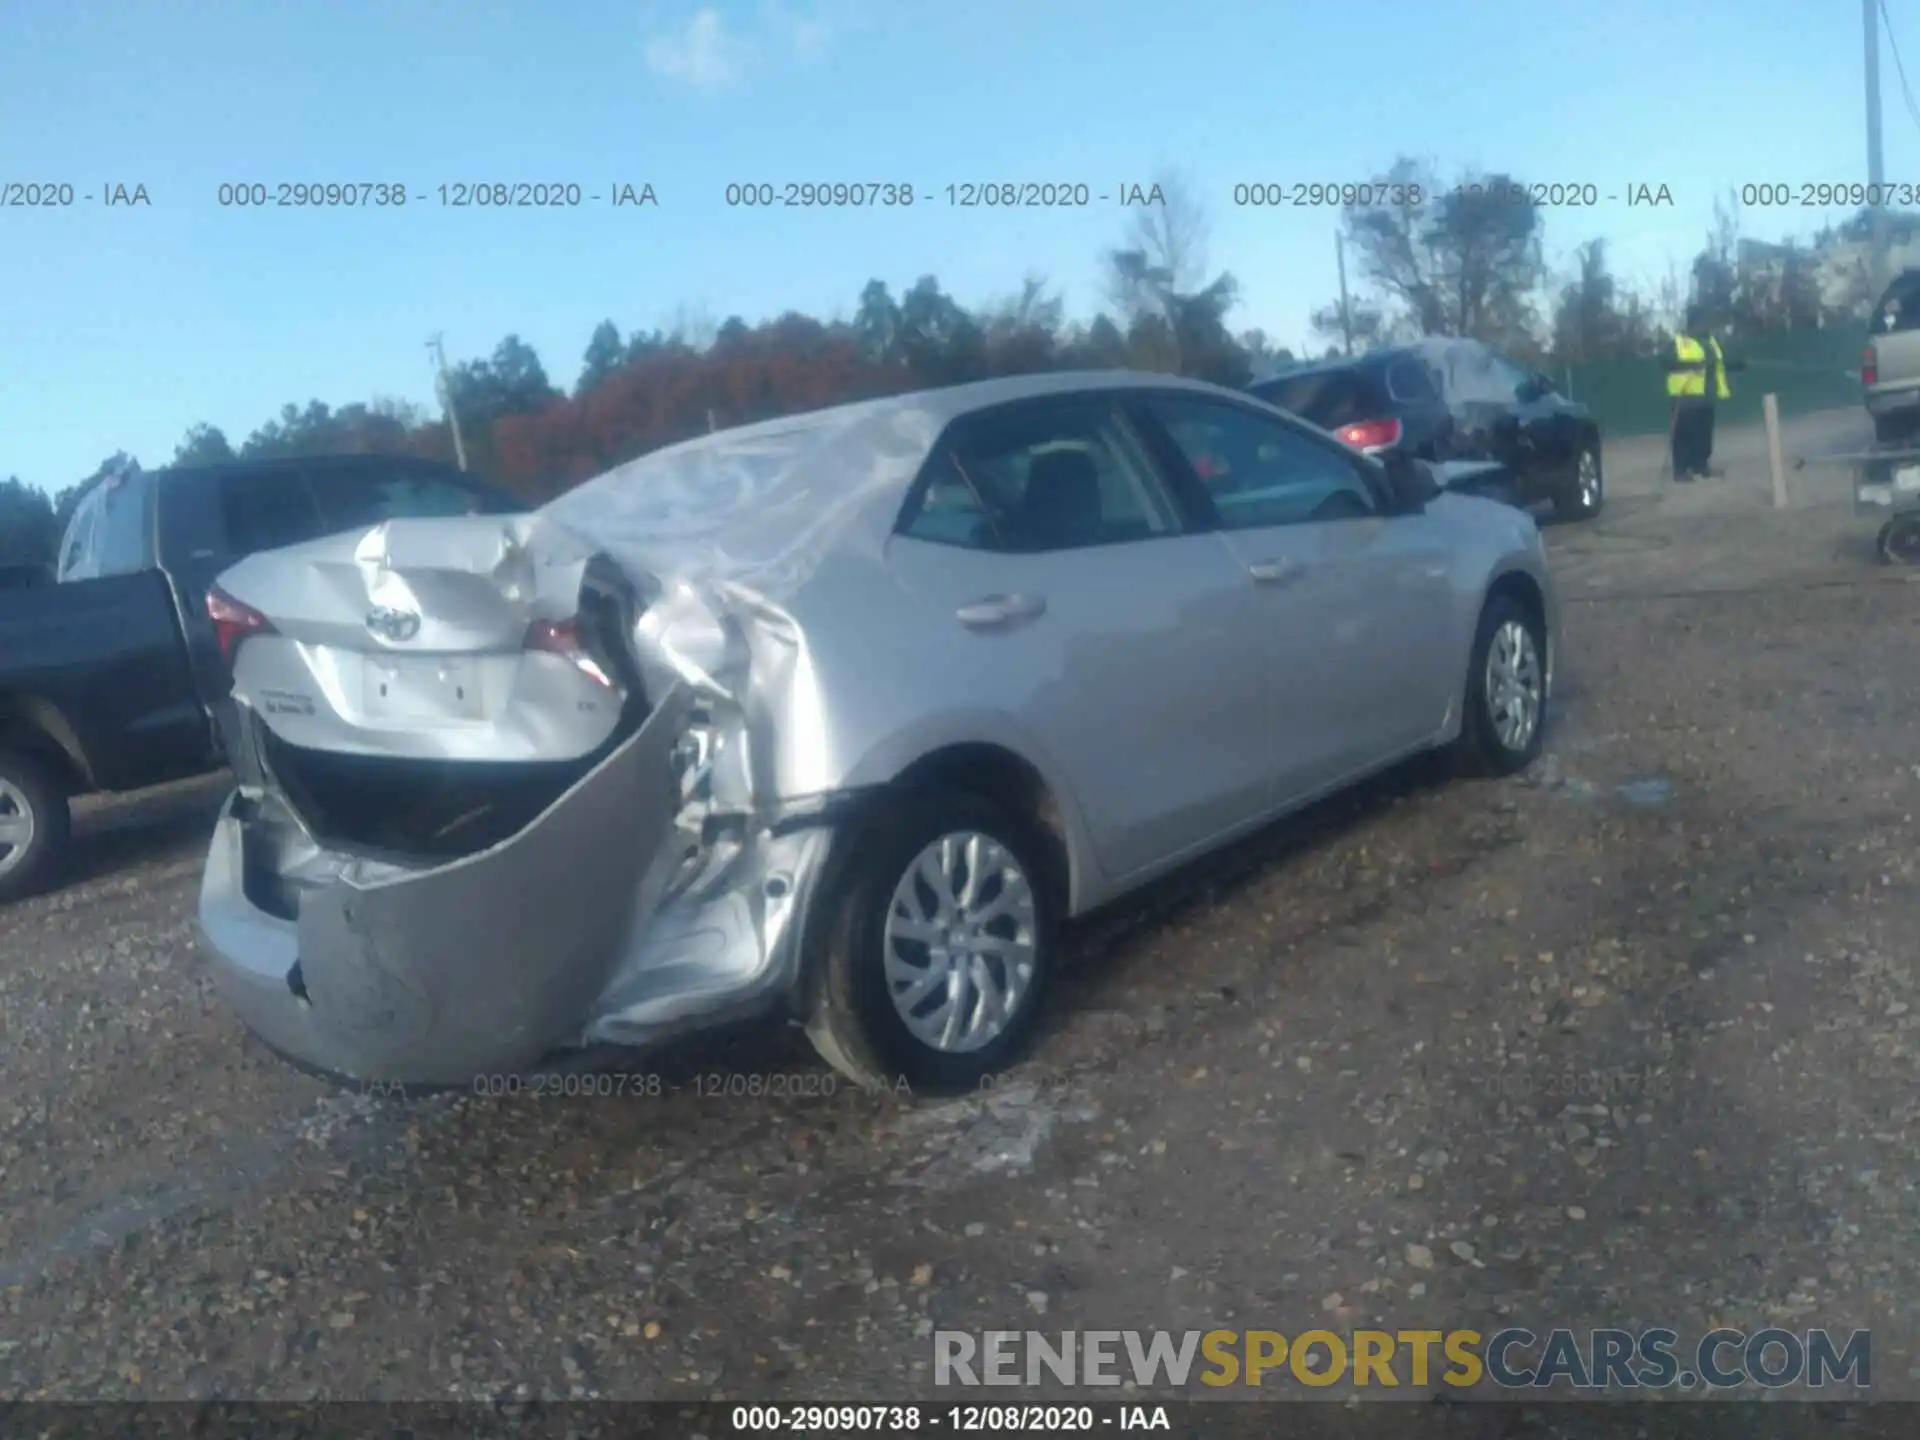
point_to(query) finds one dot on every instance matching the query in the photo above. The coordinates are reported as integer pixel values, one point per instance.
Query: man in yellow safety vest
(1696, 382)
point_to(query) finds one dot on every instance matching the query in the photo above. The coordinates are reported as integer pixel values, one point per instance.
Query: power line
(1899, 66)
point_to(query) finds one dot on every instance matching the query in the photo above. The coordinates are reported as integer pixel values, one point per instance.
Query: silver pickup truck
(1890, 367)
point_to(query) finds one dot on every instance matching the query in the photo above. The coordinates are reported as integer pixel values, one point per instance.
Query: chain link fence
(1808, 370)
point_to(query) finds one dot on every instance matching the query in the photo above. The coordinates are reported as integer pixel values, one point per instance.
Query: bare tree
(1158, 282)
(1456, 260)
(1369, 325)
(1170, 238)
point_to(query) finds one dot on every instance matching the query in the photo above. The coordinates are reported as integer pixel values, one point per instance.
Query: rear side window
(76, 550)
(122, 526)
(1411, 383)
(1327, 398)
(357, 498)
(949, 513)
(1057, 476)
(264, 511)
(1899, 308)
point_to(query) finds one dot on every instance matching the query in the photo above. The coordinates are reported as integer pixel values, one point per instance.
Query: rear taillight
(562, 638)
(1371, 434)
(233, 621)
(1869, 367)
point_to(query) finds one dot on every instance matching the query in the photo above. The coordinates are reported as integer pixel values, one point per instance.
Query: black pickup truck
(111, 673)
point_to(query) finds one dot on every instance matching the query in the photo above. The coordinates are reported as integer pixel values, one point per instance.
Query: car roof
(941, 405)
(766, 506)
(356, 461)
(1364, 363)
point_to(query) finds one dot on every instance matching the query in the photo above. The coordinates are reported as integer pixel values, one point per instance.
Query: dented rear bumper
(618, 916)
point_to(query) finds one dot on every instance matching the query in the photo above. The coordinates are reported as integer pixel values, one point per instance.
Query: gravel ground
(1628, 1041)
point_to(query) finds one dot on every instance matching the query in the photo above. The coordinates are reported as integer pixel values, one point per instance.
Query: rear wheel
(1900, 540)
(1892, 429)
(938, 945)
(1586, 492)
(33, 825)
(1506, 693)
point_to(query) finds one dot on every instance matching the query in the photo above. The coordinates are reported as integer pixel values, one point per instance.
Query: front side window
(1513, 380)
(1043, 477)
(1260, 472)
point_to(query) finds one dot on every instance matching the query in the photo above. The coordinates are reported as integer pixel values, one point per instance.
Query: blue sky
(124, 326)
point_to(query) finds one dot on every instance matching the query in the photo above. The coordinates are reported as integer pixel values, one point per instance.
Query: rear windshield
(350, 499)
(1327, 398)
(266, 509)
(1899, 308)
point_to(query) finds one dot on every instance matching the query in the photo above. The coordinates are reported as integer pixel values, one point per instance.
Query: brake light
(1869, 367)
(562, 638)
(233, 622)
(1371, 434)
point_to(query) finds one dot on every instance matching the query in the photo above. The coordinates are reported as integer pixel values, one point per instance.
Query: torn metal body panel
(434, 975)
(608, 919)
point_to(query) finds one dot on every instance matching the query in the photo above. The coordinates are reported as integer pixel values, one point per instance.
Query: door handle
(1275, 572)
(995, 610)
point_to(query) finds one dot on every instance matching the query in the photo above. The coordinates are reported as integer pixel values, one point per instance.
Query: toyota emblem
(398, 626)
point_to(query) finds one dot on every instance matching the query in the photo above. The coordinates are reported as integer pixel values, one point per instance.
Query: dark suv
(1443, 399)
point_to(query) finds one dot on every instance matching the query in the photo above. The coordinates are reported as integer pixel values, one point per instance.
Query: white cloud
(704, 54)
(804, 37)
(701, 54)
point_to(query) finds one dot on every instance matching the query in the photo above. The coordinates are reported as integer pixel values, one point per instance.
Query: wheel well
(1009, 781)
(29, 726)
(1521, 588)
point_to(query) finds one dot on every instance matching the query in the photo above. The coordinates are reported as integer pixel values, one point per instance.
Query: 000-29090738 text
(1812, 194)
(707, 1085)
(957, 1419)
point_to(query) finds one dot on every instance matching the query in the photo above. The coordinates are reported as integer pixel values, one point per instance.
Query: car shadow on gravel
(114, 834)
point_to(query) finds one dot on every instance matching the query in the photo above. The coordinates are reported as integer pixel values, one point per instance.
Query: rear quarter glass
(1332, 398)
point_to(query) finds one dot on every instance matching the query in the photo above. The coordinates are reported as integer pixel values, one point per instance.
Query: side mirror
(1413, 481)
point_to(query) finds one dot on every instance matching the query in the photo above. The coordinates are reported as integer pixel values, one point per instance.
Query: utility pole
(1346, 313)
(446, 399)
(1875, 196)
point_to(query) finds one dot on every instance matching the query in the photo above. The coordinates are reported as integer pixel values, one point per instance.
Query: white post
(1770, 406)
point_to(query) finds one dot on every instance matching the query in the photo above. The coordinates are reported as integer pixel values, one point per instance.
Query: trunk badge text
(394, 625)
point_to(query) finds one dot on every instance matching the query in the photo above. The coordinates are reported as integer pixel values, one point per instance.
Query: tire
(1586, 492)
(1487, 745)
(33, 825)
(1891, 429)
(1899, 541)
(852, 1017)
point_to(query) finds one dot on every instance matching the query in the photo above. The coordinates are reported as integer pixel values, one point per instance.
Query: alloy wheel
(960, 944)
(16, 826)
(1513, 685)
(1587, 481)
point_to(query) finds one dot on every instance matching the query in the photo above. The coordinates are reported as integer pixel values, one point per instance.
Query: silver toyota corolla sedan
(838, 715)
